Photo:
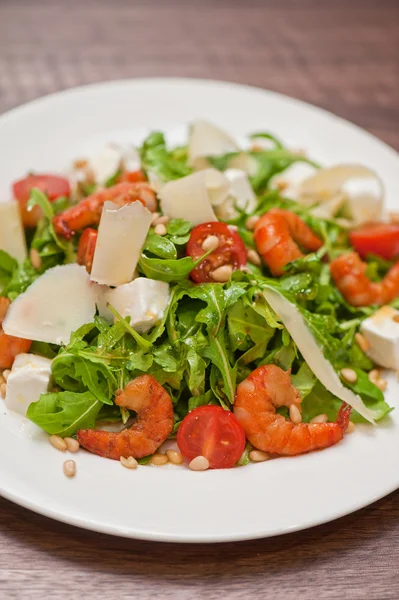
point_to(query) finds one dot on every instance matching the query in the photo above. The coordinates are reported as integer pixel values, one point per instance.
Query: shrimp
(258, 396)
(277, 235)
(88, 211)
(349, 274)
(153, 424)
(4, 305)
(10, 346)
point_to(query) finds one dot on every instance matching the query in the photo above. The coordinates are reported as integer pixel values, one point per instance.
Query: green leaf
(160, 246)
(217, 353)
(64, 413)
(170, 270)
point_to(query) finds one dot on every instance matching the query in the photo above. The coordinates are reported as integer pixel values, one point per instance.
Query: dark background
(342, 55)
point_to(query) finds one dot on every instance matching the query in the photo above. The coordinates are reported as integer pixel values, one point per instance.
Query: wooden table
(339, 54)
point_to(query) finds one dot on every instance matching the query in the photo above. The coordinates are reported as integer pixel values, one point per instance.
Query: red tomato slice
(86, 248)
(52, 185)
(132, 176)
(212, 432)
(376, 238)
(10, 347)
(231, 250)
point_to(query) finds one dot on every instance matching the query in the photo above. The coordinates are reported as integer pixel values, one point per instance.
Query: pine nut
(349, 375)
(70, 468)
(58, 442)
(154, 217)
(350, 428)
(394, 217)
(374, 376)
(362, 342)
(258, 456)
(382, 384)
(130, 462)
(72, 444)
(199, 463)
(159, 459)
(395, 318)
(80, 163)
(6, 374)
(163, 220)
(2, 380)
(210, 243)
(295, 414)
(222, 274)
(35, 258)
(250, 223)
(319, 419)
(160, 229)
(254, 257)
(175, 457)
(3, 390)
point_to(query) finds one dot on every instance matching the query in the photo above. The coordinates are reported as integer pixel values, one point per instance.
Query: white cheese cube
(29, 377)
(143, 300)
(382, 333)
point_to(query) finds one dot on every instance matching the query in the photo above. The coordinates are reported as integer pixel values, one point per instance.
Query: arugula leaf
(217, 353)
(8, 266)
(168, 270)
(63, 413)
(156, 157)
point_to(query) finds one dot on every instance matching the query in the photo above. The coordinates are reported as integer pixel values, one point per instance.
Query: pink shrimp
(153, 424)
(258, 396)
(277, 235)
(88, 211)
(349, 274)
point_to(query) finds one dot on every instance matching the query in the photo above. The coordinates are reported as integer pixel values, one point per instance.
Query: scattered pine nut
(295, 414)
(350, 428)
(199, 463)
(72, 444)
(374, 376)
(35, 258)
(162, 220)
(160, 229)
(254, 257)
(175, 457)
(3, 390)
(130, 462)
(319, 419)
(81, 163)
(394, 217)
(395, 318)
(6, 374)
(251, 222)
(349, 375)
(222, 274)
(69, 468)
(362, 342)
(154, 217)
(382, 384)
(258, 456)
(58, 442)
(159, 459)
(210, 243)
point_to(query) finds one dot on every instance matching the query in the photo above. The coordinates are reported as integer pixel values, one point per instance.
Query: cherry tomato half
(86, 248)
(10, 347)
(52, 185)
(231, 250)
(376, 238)
(212, 432)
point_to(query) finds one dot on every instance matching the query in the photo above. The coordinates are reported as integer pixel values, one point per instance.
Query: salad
(211, 304)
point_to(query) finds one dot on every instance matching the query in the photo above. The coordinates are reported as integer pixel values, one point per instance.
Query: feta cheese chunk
(29, 377)
(12, 235)
(382, 333)
(55, 305)
(143, 300)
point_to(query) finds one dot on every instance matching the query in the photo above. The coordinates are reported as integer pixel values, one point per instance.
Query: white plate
(173, 503)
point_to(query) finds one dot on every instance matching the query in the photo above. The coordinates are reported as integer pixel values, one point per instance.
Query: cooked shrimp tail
(154, 422)
(258, 396)
(349, 274)
(277, 235)
(88, 211)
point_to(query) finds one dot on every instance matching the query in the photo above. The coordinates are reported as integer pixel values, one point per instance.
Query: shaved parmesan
(206, 139)
(290, 181)
(143, 300)
(241, 195)
(12, 235)
(54, 306)
(121, 236)
(307, 345)
(192, 198)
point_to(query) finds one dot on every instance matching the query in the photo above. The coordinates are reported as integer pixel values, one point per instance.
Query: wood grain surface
(342, 55)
